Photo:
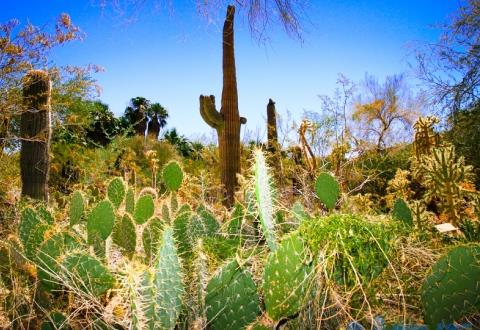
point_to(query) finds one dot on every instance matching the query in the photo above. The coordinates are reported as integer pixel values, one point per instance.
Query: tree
(157, 119)
(135, 114)
(27, 48)
(260, 14)
(387, 104)
(451, 67)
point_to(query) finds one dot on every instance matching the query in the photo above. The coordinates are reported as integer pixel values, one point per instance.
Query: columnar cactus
(35, 133)
(226, 121)
(272, 136)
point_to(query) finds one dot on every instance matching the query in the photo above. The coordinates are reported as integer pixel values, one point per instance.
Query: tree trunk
(227, 121)
(35, 133)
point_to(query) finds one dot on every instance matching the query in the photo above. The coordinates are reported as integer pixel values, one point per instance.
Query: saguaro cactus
(35, 134)
(272, 138)
(226, 121)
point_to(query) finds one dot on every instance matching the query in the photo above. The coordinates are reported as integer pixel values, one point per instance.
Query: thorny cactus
(452, 289)
(285, 279)
(232, 301)
(264, 197)
(35, 132)
(425, 137)
(327, 190)
(172, 175)
(402, 212)
(77, 207)
(226, 121)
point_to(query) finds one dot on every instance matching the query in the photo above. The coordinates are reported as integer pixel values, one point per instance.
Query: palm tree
(135, 114)
(158, 119)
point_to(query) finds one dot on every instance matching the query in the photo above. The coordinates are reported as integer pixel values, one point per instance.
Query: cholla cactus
(425, 136)
(444, 175)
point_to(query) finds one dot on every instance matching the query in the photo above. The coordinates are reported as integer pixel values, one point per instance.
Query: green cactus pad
(168, 282)
(232, 301)
(327, 190)
(180, 227)
(100, 221)
(87, 274)
(130, 201)
(45, 215)
(151, 237)
(47, 261)
(172, 176)
(144, 209)
(124, 234)
(165, 213)
(452, 289)
(36, 238)
(28, 221)
(402, 212)
(76, 208)
(235, 224)
(203, 224)
(285, 278)
(116, 192)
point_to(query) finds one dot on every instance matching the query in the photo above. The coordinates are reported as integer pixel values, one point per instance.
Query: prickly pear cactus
(165, 213)
(87, 274)
(151, 237)
(452, 289)
(47, 263)
(28, 221)
(202, 225)
(172, 175)
(232, 301)
(144, 209)
(124, 234)
(36, 238)
(264, 196)
(402, 212)
(76, 208)
(285, 278)
(168, 282)
(130, 201)
(100, 221)
(327, 190)
(180, 227)
(116, 192)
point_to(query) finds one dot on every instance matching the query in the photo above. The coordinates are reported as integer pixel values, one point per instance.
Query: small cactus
(76, 208)
(144, 209)
(402, 212)
(285, 279)
(452, 289)
(180, 228)
(116, 192)
(172, 175)
(202, 225)
(232, 301)
(327, 190)
(100, 221)
(168, 282)
(48, 253)
(124, 234)
(87, 273)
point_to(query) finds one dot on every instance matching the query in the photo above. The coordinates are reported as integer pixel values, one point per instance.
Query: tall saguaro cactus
(272, 138)
(35, 134)
(226, 121)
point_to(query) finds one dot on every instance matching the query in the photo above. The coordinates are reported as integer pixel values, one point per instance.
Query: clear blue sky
(173, 57)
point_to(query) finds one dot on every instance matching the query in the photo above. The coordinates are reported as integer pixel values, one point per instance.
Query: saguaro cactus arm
(209, 112)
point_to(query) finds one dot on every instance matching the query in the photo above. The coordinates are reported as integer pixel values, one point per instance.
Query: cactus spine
(227, 121)
(35, 132)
